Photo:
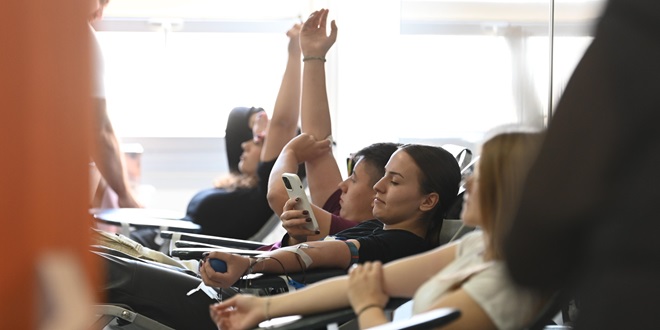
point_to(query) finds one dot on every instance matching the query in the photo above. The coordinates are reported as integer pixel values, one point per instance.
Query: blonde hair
(503, 165)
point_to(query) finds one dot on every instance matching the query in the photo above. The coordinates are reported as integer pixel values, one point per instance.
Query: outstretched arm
(108, 157)
(284, 122)
(323, 175)
(246, 311)
(312, 255)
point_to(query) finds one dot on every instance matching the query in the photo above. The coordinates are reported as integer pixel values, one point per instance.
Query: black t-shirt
(237, 213)
(383, 245)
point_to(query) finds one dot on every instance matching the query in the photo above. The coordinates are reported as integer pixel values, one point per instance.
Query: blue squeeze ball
(218, 265)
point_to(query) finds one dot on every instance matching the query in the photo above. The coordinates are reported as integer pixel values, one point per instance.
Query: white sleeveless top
(488, 283)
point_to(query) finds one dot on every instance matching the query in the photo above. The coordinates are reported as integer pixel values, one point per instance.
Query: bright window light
(185, 84)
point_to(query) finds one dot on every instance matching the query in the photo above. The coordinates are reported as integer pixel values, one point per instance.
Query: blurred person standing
(106, 153)
(587, 220)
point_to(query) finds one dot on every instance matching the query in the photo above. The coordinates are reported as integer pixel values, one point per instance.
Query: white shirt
(487, 282)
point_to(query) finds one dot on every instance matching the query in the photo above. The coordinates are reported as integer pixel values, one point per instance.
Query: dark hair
(377, 155)
(441, 174)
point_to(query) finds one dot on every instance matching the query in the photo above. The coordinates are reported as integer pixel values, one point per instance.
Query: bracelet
(367, 307)
(310, 58)
(266, 308)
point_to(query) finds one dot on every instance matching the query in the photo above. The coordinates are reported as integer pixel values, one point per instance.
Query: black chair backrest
(453, 229)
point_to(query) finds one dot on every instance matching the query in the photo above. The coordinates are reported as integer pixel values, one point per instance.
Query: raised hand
(294, 39)
(306, 148)
(294, 221)
(314, 40)
(260, 126)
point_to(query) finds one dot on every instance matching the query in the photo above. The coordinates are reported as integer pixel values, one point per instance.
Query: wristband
(355, 254)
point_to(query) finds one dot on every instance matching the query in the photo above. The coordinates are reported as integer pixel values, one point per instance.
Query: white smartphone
(295, 189)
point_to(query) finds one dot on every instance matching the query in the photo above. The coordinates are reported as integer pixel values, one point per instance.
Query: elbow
(276, 201)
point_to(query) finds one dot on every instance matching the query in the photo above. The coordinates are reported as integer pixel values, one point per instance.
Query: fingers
(367, 268)
(295, 221)
(312, 21)
(317, 19)
(229, 303)
(289, 206)
(220, 312)
(333, 31)
(294, 31)
(323, 18)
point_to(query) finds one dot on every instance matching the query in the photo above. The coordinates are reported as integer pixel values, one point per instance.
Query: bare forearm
(107, 154)
(277, 195)
(313, 255)
(319, 297)
(284, 123)
(315, 113)
(288, 98)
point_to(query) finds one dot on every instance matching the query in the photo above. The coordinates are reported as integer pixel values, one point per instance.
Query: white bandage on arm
(297, 249)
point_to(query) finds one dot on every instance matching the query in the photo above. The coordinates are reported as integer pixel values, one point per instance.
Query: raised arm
(323, 174)
(284, 122)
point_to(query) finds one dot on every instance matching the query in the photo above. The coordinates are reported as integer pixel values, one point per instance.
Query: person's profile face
(399, 196)
(471, 213)
(357, 194)
(249, 160)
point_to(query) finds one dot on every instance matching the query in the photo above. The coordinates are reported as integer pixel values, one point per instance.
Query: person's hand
(239, 312)
(236, 266)
(294, 221)
(306, 148)
(294, 39)
(365, 286)
(260, 126)
(314, 40)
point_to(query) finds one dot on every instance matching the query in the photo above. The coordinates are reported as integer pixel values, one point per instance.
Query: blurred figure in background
(106, 154)
(588, 217)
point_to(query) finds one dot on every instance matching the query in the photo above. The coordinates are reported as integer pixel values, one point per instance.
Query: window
(184, 84)
(455, 68)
